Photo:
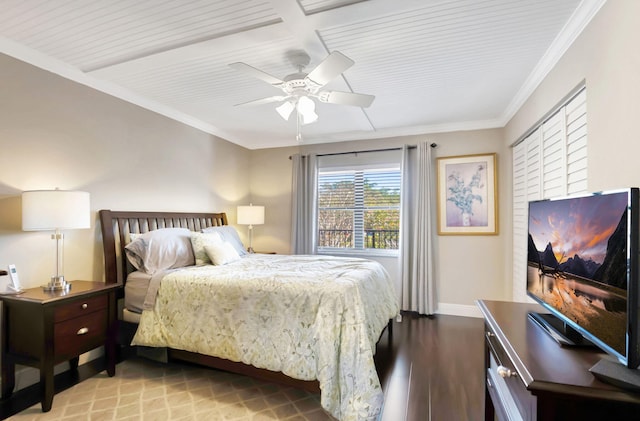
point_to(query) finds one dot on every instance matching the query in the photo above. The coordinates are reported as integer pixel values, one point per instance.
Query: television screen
(581, 261)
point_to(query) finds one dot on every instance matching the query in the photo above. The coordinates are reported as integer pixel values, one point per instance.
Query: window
(359, 209)
(550, 161)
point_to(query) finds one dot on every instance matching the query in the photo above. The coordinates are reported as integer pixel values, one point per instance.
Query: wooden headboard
(117, 225)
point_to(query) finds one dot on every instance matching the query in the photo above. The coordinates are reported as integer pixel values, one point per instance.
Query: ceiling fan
(300, 88)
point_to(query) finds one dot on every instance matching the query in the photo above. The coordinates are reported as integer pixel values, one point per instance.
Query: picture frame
(467, 198)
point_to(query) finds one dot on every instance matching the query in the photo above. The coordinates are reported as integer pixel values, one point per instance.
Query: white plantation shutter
(534, 166)
(554, 154)
(549, 162)
(519, 216)
(576, 112)
(527, 184)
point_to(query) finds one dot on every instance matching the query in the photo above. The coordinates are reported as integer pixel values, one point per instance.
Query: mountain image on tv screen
(585, 237)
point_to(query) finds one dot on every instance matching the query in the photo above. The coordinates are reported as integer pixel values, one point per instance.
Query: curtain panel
(416, 222)
(303, 204)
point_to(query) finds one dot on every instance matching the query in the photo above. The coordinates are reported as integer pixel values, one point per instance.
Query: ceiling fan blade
(331, 67)
(261, 101)
(259, 74)
(346, 98)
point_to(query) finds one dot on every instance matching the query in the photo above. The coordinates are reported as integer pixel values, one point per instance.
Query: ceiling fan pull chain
(298, 129)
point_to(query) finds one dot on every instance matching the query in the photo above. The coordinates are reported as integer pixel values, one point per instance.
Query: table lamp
(250, 215)
(55, 210)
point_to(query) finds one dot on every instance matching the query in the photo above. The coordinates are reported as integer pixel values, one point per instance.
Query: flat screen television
(583, 268)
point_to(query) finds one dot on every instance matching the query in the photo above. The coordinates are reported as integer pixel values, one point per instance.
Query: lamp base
(57, 283)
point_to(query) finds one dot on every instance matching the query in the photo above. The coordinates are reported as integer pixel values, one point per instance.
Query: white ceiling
(433, 65)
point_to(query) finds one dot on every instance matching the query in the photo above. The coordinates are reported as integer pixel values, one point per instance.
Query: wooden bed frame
(115, 228)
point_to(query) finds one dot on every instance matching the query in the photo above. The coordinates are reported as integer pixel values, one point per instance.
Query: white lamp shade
(306, 107)
(44, 210)
(285, 109)
(250, 215)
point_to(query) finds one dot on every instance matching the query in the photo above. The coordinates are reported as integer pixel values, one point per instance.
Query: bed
(307, 321)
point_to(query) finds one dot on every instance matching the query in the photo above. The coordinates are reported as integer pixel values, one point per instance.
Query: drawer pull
(85, 306)
(83, 331)
(505, 373)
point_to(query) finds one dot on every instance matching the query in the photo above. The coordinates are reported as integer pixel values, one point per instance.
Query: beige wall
(57, 133)
(271, 187)
(606, 55)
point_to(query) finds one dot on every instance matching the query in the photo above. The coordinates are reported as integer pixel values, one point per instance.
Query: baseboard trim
(459, 310)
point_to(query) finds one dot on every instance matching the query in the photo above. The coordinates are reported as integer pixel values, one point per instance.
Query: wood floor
(433, 370)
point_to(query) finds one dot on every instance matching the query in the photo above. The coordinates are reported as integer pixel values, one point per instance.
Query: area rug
(147, 390)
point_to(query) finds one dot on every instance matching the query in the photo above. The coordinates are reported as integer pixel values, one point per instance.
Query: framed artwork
(467, 197)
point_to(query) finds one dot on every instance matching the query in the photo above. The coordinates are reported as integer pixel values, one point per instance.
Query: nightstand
(42, 329)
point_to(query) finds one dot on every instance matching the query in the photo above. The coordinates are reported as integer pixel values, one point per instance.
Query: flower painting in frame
(467, 195)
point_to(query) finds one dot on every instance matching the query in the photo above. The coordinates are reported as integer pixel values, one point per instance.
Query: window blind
(359, 209)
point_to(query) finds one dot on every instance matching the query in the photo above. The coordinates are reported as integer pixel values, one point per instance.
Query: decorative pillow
(229, 234)
(161, 249)
(222, 253)
(201, 239)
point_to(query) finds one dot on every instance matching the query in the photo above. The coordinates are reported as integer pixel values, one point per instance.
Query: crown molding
(569, 33)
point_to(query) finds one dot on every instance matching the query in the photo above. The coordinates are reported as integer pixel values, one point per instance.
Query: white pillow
(161, 249)
(222, 253)
(229, 234)
(199, 240)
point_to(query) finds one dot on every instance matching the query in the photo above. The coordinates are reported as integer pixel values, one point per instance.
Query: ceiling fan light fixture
(307, 108)
(285, 109)
(310, 117)
(301, 88)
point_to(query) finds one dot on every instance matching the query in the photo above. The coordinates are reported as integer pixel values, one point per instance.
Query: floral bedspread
(310, 317)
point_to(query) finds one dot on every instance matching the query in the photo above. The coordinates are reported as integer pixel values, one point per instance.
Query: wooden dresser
(530, 377)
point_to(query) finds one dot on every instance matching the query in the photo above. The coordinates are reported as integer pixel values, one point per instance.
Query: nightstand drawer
(80, 307)
(75, 336)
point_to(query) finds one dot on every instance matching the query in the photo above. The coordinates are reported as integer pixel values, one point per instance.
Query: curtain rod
(433, 145)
